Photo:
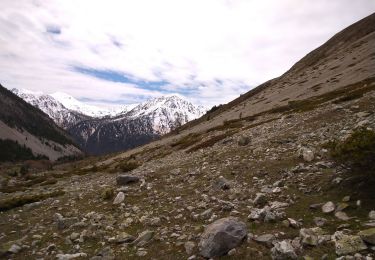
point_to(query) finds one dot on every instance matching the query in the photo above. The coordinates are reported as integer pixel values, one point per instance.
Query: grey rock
(221, 236)
(70, 256)
(328, 207)
(283, 251)
(14, 249)
(119, 198)
(62, 222)
(312, 236)
(222, 183)
(347, 244)
(320, 221)
(126, 179)
(144, 238)
(342, 216)
(307, 154)
(243, 140)
(266, 239)
(371, 214)
(189, 247)
(260, 199)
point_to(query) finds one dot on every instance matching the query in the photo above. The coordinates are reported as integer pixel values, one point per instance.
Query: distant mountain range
(100, 131)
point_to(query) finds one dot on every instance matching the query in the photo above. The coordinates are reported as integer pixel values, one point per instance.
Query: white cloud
(191, 44)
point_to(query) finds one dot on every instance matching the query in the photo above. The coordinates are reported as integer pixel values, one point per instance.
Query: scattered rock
(311, 236)
(328, 207)
(266, 239)
(126, 179)
(119, 198)
(144, 238)
(221, 236)
(371, 214)
(222, 183)
(70, 256)
(342, 216)
(348, 244)
(62, 222)
(283, 251)
(320, 221)
(307, 154)
(244, 140)
(189, 247)
(14, 249)
(260, 199)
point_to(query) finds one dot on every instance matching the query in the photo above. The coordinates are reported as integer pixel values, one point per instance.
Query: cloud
(126, 51)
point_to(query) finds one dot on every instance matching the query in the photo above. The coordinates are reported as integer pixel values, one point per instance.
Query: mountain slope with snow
(61, 115)
(142, 124)
(88, 110)
(97, 131)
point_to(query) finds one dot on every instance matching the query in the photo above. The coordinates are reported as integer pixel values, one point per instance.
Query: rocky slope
(259, 185)
(29, 127)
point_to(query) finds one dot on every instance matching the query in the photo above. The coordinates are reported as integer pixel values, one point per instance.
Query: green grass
(20, 200)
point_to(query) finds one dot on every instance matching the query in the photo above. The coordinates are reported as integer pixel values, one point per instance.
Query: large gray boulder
(126, 179)
(221, 236)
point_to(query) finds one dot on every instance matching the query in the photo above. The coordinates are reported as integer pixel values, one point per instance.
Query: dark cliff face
(105, 136)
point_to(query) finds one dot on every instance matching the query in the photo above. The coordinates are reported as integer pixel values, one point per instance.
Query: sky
(124, 51)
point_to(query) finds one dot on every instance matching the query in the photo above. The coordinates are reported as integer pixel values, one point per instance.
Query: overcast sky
(118, 52)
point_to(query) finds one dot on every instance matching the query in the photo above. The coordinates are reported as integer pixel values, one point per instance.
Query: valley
(285, 171)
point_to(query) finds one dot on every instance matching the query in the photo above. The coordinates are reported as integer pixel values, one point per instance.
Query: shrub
(357, 151)
(128, 166)
(107, 193)
(18, 201)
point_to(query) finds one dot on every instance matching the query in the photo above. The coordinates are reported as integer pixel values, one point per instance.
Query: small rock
(232, 252)
(328, 207)
(294, 223)
(320, 221)
(14, 249)
(346, 199)
(265, 239)
(371, 214)
(141, 252)
(283, 250)
(221, 236)
(342, 216)
(144, 238)
(244, 140)
(119, 198)
(310, 236)
(126, 179)
(70, 256)
(222, 183)
(307, 154)
(347, 244)
(189, 247)
(260, 199)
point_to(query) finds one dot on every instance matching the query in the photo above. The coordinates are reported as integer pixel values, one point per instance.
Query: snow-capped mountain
(167, 112)
(145, 122)
(89, 110)
(99, 130)
(61, 115)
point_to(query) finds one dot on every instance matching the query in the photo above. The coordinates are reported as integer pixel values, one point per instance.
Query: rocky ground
(261, 188)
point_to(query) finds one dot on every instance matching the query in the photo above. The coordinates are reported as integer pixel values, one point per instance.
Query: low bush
(128, 166)
(18, 201)
(357, 151)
